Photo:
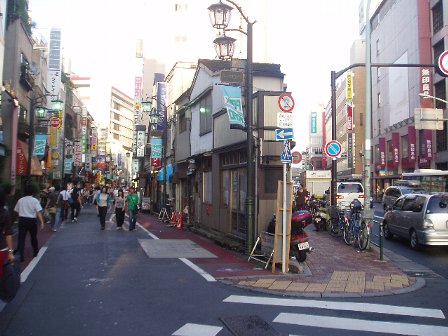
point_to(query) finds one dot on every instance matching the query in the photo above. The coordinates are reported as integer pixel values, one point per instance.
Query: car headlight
(427, 224)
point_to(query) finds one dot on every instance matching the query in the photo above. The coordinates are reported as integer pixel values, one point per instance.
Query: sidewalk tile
(316, 287)
(280, 285)
(264, 283)
(297, 286)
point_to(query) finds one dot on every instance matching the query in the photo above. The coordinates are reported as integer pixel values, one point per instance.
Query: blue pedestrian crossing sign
(286, 156)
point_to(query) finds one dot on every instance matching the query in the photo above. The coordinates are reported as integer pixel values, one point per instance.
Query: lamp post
(40, 111)
(220, 14)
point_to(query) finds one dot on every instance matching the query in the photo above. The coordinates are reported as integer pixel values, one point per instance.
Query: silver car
(392, 193)
(421, 218)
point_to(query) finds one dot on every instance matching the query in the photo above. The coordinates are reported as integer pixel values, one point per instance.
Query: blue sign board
(333, 148)
(284, 134)
(313, 123)
(286, 156)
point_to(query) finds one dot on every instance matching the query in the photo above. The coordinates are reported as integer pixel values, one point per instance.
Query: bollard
(381, 240)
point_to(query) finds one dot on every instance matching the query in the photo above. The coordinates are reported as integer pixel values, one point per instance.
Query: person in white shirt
(65, 203)
(29, 210)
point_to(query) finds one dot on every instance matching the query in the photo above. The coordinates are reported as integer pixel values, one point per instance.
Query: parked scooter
(321, 216)
(299, 244)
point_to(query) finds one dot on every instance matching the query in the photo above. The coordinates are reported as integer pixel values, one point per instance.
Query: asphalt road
(92, 282)
(433, 257)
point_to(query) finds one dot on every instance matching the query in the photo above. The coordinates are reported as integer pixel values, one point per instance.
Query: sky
(308, 39)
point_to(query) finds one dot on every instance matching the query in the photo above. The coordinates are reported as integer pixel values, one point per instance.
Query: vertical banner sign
(54, 64)
(161, 105)
(411, 146)
(140, 144)
(395, 149)
(382, 146)
(427, 136)
(349, 117)
(349, 150)
(425, 82)
(53, 139)
(77, 154)
(233, 104)
(68, 166)
(138, 84)
(349, 86)
(156, 148)
(135, 166)
(139, 48)
(313, 126)
(94, 144)
(40, 143)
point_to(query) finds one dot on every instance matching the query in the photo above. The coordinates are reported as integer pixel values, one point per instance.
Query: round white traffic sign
(443, 62)
(333, 148)
(286, 102)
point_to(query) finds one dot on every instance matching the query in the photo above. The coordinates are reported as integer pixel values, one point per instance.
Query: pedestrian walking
(76, 202)
(131, 205)
(301, 199)
(5, 231)
(102, 204)
(52, 207)
(65, 195)
(29, 210)
(120, 209)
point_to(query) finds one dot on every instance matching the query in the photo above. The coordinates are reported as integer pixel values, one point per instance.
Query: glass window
(437, 204)
(182, 123)
(225, 187)
(205, 114)
(350, 188)
(398, 204)
(404, 147)
(271, 177)
(437, 17)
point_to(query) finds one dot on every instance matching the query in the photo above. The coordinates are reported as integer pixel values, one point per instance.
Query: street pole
(250, 197)
(334, 171)
(164, 150)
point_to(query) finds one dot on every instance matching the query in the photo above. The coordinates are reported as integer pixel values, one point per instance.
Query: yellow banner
(349, 85)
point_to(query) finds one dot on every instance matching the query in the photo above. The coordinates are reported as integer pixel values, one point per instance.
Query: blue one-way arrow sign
(284, 134)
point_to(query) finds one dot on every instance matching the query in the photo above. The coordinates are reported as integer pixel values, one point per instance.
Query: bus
(431, 180)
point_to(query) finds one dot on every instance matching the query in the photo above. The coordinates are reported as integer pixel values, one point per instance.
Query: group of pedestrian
(104, 201)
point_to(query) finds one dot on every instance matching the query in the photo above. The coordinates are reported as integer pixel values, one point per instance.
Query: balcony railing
(26, 77)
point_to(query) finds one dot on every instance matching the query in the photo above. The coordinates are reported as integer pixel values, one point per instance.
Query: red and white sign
(349, 117)
(296, 157)
(286, 102)
(443, 62)
(333, 148)
(54, 122)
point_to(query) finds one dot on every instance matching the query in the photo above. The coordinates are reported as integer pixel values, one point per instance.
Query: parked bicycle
(338, 220)
(356, 229)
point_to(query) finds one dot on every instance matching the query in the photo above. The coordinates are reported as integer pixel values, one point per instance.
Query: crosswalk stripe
(349, 306)
(192, 329)
(361, 325)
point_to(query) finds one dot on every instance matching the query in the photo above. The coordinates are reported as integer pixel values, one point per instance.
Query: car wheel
(387, 234)
(413, 239)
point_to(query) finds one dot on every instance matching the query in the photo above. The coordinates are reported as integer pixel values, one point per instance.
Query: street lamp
(40, 112)
(220, 14)
(425, 95)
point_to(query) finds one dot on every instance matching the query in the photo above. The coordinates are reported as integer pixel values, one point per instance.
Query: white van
(348, 191)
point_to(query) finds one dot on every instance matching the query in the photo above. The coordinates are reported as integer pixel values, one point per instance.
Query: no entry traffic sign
(333, 149)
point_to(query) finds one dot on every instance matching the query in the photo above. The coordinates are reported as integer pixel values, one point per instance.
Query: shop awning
(22, 159)
(161, 174)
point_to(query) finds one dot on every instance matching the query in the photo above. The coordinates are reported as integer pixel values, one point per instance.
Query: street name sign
(284, 134)
(284, 120)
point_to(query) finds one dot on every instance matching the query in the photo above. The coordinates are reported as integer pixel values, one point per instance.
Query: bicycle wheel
(334, 227)
(348, 233)
(363, 236)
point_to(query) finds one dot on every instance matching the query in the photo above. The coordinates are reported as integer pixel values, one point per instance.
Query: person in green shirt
(132, 207)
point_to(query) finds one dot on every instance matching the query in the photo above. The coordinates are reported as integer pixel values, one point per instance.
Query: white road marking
(27, 271)
(199, 270)
(191, 329)
(187, 262)
(361, 325)
(348, 306)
